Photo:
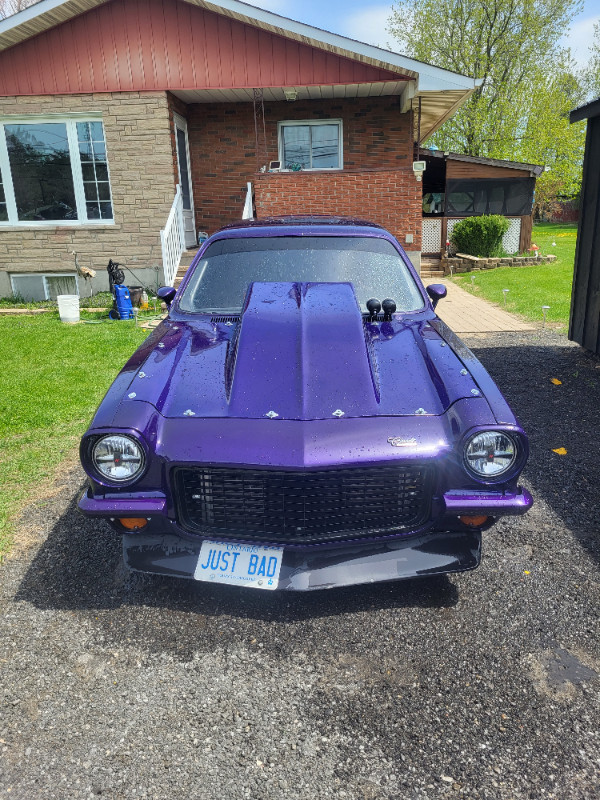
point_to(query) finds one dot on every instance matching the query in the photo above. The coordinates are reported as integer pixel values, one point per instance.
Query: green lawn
(530, 288)
(53, 377)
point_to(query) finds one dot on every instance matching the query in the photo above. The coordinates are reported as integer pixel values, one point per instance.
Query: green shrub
(479, 236)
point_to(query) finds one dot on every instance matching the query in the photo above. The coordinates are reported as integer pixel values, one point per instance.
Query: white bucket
(68, 307)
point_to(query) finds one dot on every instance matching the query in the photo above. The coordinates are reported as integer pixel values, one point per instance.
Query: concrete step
(429, 273)
(187, 257)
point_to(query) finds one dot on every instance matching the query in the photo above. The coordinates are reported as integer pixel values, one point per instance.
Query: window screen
(511, 197)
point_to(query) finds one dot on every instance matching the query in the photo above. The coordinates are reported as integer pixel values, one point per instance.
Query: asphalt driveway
(484, 685)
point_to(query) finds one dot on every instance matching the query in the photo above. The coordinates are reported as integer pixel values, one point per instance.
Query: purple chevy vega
(284, 429)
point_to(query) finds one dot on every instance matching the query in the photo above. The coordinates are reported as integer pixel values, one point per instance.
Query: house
(584, 322)
(459, 186)
(127, 127)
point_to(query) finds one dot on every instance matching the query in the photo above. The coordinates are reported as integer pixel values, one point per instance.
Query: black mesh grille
(302, 507)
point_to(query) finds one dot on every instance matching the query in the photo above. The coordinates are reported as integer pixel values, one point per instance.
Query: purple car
(283, 428)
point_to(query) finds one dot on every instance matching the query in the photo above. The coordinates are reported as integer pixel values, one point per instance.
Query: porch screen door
(185, 179)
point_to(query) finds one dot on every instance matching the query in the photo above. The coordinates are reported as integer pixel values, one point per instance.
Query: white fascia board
(429, 78)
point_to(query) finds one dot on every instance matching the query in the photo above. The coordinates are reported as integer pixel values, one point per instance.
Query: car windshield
(375, 268)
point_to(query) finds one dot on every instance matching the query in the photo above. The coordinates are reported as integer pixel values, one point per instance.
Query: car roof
(309, 220)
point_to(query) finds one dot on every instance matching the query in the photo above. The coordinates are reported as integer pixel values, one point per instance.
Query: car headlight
(117, 458)
(490, 454)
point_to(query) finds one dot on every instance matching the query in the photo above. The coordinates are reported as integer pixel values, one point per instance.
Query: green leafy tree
(10, 7)
(549, 138)
(528, 82)
(592, 73)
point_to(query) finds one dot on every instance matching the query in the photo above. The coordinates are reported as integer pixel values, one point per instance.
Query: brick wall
(375, 136)
(143, 170)
(140, 159)
(391, 198)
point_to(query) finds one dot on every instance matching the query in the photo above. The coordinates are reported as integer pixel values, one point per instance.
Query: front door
(185, 175)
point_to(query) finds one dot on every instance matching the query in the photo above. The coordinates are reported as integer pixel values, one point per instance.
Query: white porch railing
(248, 210)
(172, 239)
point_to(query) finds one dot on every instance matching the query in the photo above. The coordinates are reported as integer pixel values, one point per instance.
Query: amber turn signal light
(475, 521)
(133, 523)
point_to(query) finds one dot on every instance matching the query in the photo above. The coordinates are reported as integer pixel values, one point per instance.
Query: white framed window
(36, 286)
(310, 144)
(54, 171)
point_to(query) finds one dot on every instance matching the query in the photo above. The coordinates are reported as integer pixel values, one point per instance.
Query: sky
(367, 22)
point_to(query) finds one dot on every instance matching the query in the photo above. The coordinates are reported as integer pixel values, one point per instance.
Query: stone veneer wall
(140, 159)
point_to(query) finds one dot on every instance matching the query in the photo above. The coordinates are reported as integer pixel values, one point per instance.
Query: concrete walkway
(465, 313)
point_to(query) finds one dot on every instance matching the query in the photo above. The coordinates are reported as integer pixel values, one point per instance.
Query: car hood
(301, 351)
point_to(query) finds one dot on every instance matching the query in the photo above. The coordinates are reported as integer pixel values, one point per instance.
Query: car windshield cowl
(220, 280)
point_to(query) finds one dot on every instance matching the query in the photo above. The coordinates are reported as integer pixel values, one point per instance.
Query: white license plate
(239, 564)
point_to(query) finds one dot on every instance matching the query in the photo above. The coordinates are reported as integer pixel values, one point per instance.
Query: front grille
(302, 507)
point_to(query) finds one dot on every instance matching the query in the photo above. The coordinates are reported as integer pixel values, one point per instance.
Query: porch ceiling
(435, 107)
(276, 93)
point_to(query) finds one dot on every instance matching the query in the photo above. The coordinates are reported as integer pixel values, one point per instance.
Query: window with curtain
(310, 144)
(54, 171)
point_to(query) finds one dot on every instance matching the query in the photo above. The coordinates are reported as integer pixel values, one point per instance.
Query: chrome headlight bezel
(110, 480)
(509, 470)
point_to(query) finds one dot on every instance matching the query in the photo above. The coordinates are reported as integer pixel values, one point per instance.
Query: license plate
(239, 564)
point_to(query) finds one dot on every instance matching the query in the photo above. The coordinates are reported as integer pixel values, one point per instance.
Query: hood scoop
(301, 351)
(293, 356)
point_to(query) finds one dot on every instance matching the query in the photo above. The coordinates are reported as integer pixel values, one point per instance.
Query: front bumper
(324, 567)
(164, 549)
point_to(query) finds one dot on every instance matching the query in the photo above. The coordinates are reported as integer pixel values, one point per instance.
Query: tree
(549, 138)
(506, 44)
(592, 73)
(10, 7)
(528, 85)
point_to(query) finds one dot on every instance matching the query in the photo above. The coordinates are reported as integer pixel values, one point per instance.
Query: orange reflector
(133, 523)
(474, 522)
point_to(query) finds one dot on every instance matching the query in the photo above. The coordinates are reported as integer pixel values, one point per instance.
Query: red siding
(376, 137)
(133, 45)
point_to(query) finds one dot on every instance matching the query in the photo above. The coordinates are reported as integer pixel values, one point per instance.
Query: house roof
(437, 92)
(585, 112)
(536, 169)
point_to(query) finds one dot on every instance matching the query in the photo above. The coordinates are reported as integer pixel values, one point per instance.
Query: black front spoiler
(324, 567)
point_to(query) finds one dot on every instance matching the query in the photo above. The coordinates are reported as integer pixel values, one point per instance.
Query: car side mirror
(167, 293)
(436, 291)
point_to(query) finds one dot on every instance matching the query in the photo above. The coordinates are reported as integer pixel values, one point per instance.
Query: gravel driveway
(484, 685)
